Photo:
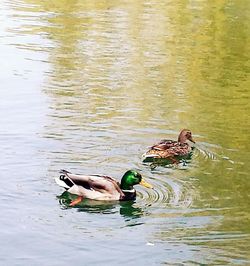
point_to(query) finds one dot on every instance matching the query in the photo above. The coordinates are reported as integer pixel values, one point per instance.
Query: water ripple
(167, 192)
(205, 151)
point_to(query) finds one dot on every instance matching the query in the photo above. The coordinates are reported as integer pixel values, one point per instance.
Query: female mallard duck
(98, 187)
(170, 149)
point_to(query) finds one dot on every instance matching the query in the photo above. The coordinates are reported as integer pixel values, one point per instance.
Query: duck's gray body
(93, 187)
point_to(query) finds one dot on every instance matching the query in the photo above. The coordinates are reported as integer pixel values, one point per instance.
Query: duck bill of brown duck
(191, 139)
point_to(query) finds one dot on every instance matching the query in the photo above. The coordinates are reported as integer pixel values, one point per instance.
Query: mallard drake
(99, 187)
(171, 149)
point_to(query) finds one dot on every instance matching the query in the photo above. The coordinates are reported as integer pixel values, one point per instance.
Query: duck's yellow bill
(145, 184)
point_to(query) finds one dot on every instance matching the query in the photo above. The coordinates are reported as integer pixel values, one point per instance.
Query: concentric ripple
(167, 192)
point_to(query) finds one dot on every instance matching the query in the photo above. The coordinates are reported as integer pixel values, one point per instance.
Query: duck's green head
(131, 178)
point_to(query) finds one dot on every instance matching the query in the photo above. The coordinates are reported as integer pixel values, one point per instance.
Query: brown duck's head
(185, 135)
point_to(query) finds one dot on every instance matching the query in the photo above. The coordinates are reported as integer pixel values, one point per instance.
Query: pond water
(88, 86)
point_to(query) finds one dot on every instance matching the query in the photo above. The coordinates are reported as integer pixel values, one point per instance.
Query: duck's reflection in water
(129, 210)
(178, 160)
(125, 208)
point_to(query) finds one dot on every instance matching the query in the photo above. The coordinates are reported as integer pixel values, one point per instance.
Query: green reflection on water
(126, 208)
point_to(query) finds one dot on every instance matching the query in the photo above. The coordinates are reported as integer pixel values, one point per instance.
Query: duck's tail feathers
(147, 157)
(65, 172)
(64, 180)
(150, 155)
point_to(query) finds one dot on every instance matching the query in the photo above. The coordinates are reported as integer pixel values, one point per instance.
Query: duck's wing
(181, 149)
(99, 183)
(177, 149)
(164, 144)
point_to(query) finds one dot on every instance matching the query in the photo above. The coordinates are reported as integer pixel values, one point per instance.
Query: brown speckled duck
(171, 149)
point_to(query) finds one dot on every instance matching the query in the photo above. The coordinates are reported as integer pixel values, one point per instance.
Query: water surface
(89, 86)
